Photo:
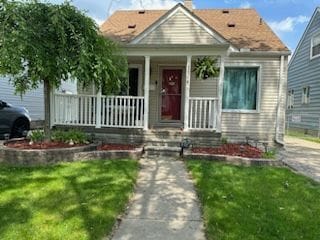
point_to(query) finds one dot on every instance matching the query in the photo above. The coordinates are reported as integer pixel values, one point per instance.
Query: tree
(43, 43)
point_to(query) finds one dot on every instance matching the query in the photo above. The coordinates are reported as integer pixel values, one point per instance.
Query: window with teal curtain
(240, 89)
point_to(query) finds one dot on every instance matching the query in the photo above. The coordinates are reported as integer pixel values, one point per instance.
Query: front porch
(163, 92)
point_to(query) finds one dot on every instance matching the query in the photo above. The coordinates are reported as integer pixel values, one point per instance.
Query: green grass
(67, 201)
(256, 202)
(301, 135)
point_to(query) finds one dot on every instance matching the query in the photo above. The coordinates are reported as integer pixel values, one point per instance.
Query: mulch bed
(241, 150)
(109, 147)
(25, 144)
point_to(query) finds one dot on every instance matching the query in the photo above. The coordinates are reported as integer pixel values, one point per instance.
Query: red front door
(171, 95)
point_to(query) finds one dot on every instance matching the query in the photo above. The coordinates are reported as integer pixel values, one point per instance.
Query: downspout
(280, 86)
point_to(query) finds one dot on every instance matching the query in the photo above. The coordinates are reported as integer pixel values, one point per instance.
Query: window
(290, 101)
(306, 95)
(131, 87)
(133, 81)
(315, 46)
(240, 89)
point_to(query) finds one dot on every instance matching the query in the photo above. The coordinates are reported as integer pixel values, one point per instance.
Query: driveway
(303, 156)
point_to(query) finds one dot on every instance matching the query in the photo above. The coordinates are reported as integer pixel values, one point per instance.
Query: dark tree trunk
(46, 94)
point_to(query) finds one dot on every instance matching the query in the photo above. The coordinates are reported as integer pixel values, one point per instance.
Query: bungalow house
(246, 99)
(303, 108)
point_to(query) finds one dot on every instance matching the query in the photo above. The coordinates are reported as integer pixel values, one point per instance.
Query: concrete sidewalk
(165, 205)
(303, 156)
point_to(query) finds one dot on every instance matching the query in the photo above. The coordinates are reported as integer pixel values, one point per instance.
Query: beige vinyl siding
(236, 126)
(90, 90)
(179, 29)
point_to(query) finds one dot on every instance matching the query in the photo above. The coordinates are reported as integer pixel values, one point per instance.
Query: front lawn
(303, 136)
(252, 203)
(67, 201)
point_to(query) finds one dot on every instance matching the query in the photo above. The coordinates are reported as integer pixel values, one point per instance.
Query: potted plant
(206, 68)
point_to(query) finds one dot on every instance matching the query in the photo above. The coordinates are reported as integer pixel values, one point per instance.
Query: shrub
(36, 136)
(224, 140)
(73, 135)
(269, 154)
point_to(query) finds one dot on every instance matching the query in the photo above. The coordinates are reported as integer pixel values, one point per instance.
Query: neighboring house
(32, 100)
(303, 108)
(247, 99)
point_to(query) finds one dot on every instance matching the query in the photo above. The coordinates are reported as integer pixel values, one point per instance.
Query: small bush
(36, 136)
(224, 140)
(75, 136)
(269, 154)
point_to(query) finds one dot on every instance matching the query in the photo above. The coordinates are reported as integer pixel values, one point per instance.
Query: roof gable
(315, 15)
(179, 26)
(249, 32)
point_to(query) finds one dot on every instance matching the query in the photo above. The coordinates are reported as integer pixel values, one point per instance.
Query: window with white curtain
(315, 46)
(290, 101)
(306, 95)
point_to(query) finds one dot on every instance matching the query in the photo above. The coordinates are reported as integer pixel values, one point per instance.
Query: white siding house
(32, 100)
(246, 99)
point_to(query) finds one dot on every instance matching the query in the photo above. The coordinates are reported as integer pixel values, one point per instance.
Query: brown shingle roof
(250, 30)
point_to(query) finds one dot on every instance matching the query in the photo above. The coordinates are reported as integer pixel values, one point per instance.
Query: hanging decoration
(206, 67)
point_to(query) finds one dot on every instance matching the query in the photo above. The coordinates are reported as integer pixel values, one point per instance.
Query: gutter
(280, 86)
(248, 53)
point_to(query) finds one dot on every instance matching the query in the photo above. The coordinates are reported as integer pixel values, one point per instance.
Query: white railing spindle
(202, 113)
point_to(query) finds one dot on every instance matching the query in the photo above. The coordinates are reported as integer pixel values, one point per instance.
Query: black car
(14, 121)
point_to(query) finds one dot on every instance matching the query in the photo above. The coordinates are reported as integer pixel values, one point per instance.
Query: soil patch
(25, 144)
(241, 150)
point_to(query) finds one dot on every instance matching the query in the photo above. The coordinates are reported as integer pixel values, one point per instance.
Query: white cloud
(153, 4)
(141, 4)
(99, 21)
(288, 24)
(245, 4)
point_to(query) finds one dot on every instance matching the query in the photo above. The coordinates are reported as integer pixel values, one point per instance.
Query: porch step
(165, 151)
(163, 143)
(163, 136)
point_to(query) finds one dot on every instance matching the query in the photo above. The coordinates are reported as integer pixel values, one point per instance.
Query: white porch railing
(81, 110)
(122, 112)
(203, 113)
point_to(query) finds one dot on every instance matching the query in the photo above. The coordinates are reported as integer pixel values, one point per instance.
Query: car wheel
(19, 128)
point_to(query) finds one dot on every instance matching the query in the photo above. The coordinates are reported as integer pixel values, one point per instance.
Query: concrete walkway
(303, 156)
(165, 205)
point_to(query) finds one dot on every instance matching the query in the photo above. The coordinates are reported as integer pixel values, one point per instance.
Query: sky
(288, 18)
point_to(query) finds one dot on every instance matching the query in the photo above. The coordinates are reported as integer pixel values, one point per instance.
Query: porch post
(187, 93)
(146, 92)
(220, 93)
(98, 109)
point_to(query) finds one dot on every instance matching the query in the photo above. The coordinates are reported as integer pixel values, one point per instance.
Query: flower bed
(240, 150)
(26, 144)
(22, 153)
